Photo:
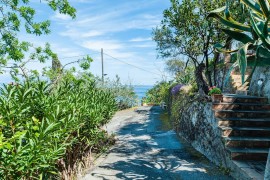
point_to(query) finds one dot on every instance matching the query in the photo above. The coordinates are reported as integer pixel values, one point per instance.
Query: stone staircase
(237, 81)
(245, 125)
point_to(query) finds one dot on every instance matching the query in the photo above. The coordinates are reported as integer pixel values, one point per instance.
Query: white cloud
(140, 39)
(80, 34)
(145, 45)
(98, 44)
(121, 28)
(61, 17)
(93, 33)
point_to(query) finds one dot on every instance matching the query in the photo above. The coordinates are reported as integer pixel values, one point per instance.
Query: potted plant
(215, 94)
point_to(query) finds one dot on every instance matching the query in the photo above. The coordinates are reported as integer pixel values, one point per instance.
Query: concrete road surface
(147, 148)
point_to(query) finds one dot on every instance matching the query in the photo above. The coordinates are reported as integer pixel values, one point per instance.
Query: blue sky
(121, 27)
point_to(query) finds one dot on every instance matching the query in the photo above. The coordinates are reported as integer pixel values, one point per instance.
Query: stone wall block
(201, 130)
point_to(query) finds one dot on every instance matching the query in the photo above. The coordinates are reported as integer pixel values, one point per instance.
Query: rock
(267, 168)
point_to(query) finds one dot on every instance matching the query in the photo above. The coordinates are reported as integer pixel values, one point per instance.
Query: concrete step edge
(241, 138)
(249, 150)
(241, 111)
(242, 104)
(244, 119)
(242, 96)
(245, 128)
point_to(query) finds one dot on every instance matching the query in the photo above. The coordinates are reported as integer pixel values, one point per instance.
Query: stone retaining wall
(264, 74)
(267, 168)
(199, 127)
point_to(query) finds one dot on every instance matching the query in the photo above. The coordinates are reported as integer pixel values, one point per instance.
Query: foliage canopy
(16, 14)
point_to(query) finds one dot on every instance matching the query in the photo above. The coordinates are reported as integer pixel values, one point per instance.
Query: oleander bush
(158, 94)
(46, 129)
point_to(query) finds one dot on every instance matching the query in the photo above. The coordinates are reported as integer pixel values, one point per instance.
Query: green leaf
(253, 5)
(228, 75)
(220, 48)
(242, 61)
(265, 7)
(230, 24)
(219, 10)
(49, 128)
(233, 57)
(238, 36)
(265, 28)
(262, 52)
(258, 29)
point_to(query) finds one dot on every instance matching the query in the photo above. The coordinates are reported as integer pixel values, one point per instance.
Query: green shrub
(159, 93)
(214, 90)
(46, 129)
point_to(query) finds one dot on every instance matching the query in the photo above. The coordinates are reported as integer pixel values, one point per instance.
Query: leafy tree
(159, 93)
(183, 74)
(174, 66)
(185, 31)
(17, 13)
(124, 93)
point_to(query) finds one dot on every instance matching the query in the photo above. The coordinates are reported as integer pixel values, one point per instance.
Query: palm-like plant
(254, 34)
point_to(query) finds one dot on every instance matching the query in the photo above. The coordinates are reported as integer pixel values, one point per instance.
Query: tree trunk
(201, 83)
(57, 70)
(206, 55)
(56, 65)
(208, 72)
(216, 57)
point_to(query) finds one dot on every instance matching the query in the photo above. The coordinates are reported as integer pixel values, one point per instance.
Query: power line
(134, 65)
(97, 52)
(78, 56)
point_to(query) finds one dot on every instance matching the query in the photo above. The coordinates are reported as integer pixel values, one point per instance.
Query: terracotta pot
(216, 98)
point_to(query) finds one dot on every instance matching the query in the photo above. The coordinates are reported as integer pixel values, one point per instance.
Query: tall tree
(182, 74)
(17, 13)
(186, 31)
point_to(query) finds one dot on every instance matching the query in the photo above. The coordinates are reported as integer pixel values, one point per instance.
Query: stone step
(249, 150)
(245, 131)
(247, 144)
(242, 114)
(244, 99)
(240, 106)
(245, 119)
(244, 123)
(237, 72)
(238, 76)
(242, 91)
(242, 88)
(240, 138)
(245, 128)
(249, 153)
(239, 83)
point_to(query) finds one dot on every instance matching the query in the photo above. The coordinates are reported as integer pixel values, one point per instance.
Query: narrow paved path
(147, 149)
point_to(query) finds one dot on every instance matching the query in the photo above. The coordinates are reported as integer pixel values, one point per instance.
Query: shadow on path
(145, 151)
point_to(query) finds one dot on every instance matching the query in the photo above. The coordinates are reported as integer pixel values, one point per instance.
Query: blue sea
(141, 90)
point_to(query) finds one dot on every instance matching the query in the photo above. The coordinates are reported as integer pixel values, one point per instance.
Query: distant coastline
(141, 90)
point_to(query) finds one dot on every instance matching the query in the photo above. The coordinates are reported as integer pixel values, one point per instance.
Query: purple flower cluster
(175, 90)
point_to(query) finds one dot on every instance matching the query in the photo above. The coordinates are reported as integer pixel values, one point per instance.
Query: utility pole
(102, 66)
